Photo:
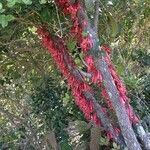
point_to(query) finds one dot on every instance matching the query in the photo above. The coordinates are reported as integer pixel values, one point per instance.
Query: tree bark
(95, 138)
(101, 66)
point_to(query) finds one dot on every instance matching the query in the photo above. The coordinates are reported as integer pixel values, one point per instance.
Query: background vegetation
(37, 110)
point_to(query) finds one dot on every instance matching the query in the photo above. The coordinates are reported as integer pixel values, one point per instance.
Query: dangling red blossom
(106, 48)
(85, 44)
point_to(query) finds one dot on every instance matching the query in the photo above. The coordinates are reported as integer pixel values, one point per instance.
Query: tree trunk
(51, 140)
(95, 138)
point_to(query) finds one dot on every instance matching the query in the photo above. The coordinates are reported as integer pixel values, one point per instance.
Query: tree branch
(96, 16)
(101, 66)
(106, 123)
(20, 121)
(85, 74)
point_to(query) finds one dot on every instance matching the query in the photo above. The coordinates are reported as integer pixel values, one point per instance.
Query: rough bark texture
(143, 136)
(123, 119)
(95, 137)
(51, 139)
(89, 96)
(106, 123)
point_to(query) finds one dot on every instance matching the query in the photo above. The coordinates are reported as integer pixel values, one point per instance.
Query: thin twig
(96, 15)
(85, 74)
(61, 31)
(82, 2)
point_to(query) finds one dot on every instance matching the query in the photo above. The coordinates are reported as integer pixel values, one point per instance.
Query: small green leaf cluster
(11, 3)
(5, 19)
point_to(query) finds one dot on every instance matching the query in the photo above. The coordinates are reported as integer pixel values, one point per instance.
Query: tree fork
(59, 47)
(101, 65)
(123, 118)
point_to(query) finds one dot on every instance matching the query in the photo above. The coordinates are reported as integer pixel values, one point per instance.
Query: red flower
(89, 60)
(96, 76)
(109, 135)
(86, 44)
(132, 116)
(107, 98)
(106, 48)
(117, 131)
(73, 9)
(76, 29)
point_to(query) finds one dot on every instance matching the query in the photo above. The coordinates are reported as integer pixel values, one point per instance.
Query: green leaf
(115, 145)
(32, 29)
(45, 14)
(71, 44)
(10, 17)
(11, 3)
(2, 10)
(43, 1)
(85, 34)
(27, 2)
(4, 19)
(1, 6)
(65, 146)
(120, 68)
(113, 23)
(103, 141)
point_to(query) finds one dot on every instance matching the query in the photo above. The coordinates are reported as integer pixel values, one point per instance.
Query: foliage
(47, 102)
(33, 93)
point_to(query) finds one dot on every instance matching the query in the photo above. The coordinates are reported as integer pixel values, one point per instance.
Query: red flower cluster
(85, 43)
(73, 10)
(97, 79)
(120, 86)
(107, 98)
(64, 61)
(68, 8)
(58, 51)
(96, 75)
(106, 48)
